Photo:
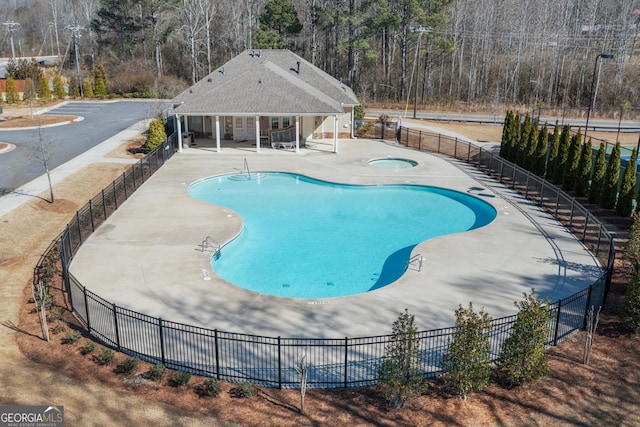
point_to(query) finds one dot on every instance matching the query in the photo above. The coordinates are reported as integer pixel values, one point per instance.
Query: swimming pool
(306, 238)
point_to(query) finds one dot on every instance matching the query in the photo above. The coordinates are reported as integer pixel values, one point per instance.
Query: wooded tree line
(477, 51)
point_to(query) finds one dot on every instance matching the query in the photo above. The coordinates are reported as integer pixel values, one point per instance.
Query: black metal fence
(340, 362)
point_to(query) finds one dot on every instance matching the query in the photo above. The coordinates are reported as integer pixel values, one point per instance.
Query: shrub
(156, 135)
(54, 314)
(60, 327)
(611, 177)
(44, 93)
(58, 87)
(367, 127)
(157, 372)
(105, 357)
(128, 365)
(599, 170)
(88, 347)
(466, 363)
(12, 95)
(630, 308)
(522, 358)
(72, 337)
(179, 378)
(246, 390)
(211, 387)
(624, 207)
(100, 80)
(399, 376)
(87, 88)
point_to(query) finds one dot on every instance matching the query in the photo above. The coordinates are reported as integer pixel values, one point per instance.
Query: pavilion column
(335, 134)
(179, 131)
(218, 134)
(258, 134)
(297, 133)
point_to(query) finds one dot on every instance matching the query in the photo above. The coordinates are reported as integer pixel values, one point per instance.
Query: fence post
(279, 364)
(557, 201)
(571, 215)
(215, 340)
(419, 140)
(584, 231)
(346, 359)
(468, 152)
(124, 183)
(86, 309)
(555, 334)
(542, 192)
(93, 226)
(455, 148)
(115, 324)
(586, 308)
(161, 340)
(104, 205)
(526, 186)
(79, 226)
(439, 136)
(115, 195)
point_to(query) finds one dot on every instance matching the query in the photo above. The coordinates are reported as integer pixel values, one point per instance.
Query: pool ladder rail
(208, 242)
(415, 262)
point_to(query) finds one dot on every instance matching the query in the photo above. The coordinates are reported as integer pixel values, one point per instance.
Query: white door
(244, 129)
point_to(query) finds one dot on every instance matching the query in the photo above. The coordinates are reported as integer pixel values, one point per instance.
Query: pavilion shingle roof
(266, 82)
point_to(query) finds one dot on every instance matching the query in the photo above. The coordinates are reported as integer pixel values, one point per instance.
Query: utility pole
(75, 33)
(12, 27)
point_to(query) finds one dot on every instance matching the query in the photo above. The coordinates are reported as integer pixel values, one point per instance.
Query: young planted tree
(58, 87)
(552, 162)
(581, 186)
(523, 142)
(302, 368)
(573, 159)
(466, 365)
(506, 128)
(400, 375)
(29, 90)
(611, 177)
(599, 171)
(624, 207)
(522, 358)
(11, 88)
(100, 81)
(563, 155)
(44, 93)
(540, 154)
(529, 159)
(87, 88)
(631, 252)
(630, 307)
(156, 135)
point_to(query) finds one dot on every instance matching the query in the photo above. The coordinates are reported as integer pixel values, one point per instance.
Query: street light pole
(595, 80)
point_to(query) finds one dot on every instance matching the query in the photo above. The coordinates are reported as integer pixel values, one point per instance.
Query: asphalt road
(101, 121)
(594, 124)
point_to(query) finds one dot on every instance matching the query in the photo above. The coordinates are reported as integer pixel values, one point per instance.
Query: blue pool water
(305, 238)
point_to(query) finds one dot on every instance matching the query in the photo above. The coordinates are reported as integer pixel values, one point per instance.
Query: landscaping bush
(156, 135)
(246, 390)
(211, 387)
(128, 365)
(157, 372)
(466, 363)
(72, 337)
(88, 347)
(400, 376)
(58, 87)
(60, 327)
(630, 307)
(522, 358)
(179, 378)
(105, 357)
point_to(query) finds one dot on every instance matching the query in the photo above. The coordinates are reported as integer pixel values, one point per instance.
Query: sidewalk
(97, 154)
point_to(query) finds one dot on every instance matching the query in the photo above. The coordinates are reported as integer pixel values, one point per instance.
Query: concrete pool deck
(148, 257)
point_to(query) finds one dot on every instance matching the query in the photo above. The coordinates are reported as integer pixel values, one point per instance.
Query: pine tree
(631, 252)
(530, 152)
(11, 88)
(100, 81)
(514, 138)
(573, 158)
(87, 88)
(522, 357)
(523, 141)
(44, 93)
(630, 307)
(58, 87)
(563, 155)
(624, 207)
(540, 155)
(466, 363)
(581, 186)
(504, 141)
(400, 375)
(611, 177)
(552, 162)
(597, 179)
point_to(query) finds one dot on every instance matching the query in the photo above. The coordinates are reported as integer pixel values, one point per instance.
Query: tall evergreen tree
(581, 186)
(563, 155)
(529, 161)
(624, 207)
(12, 95)
(514, 138)
(573, 159)
(100, 80)
(58, 87)
(552, 162)
(599, 171)
(44, 92)
(523, 141)
(611, 177)
(506, 128)
(540, 154)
